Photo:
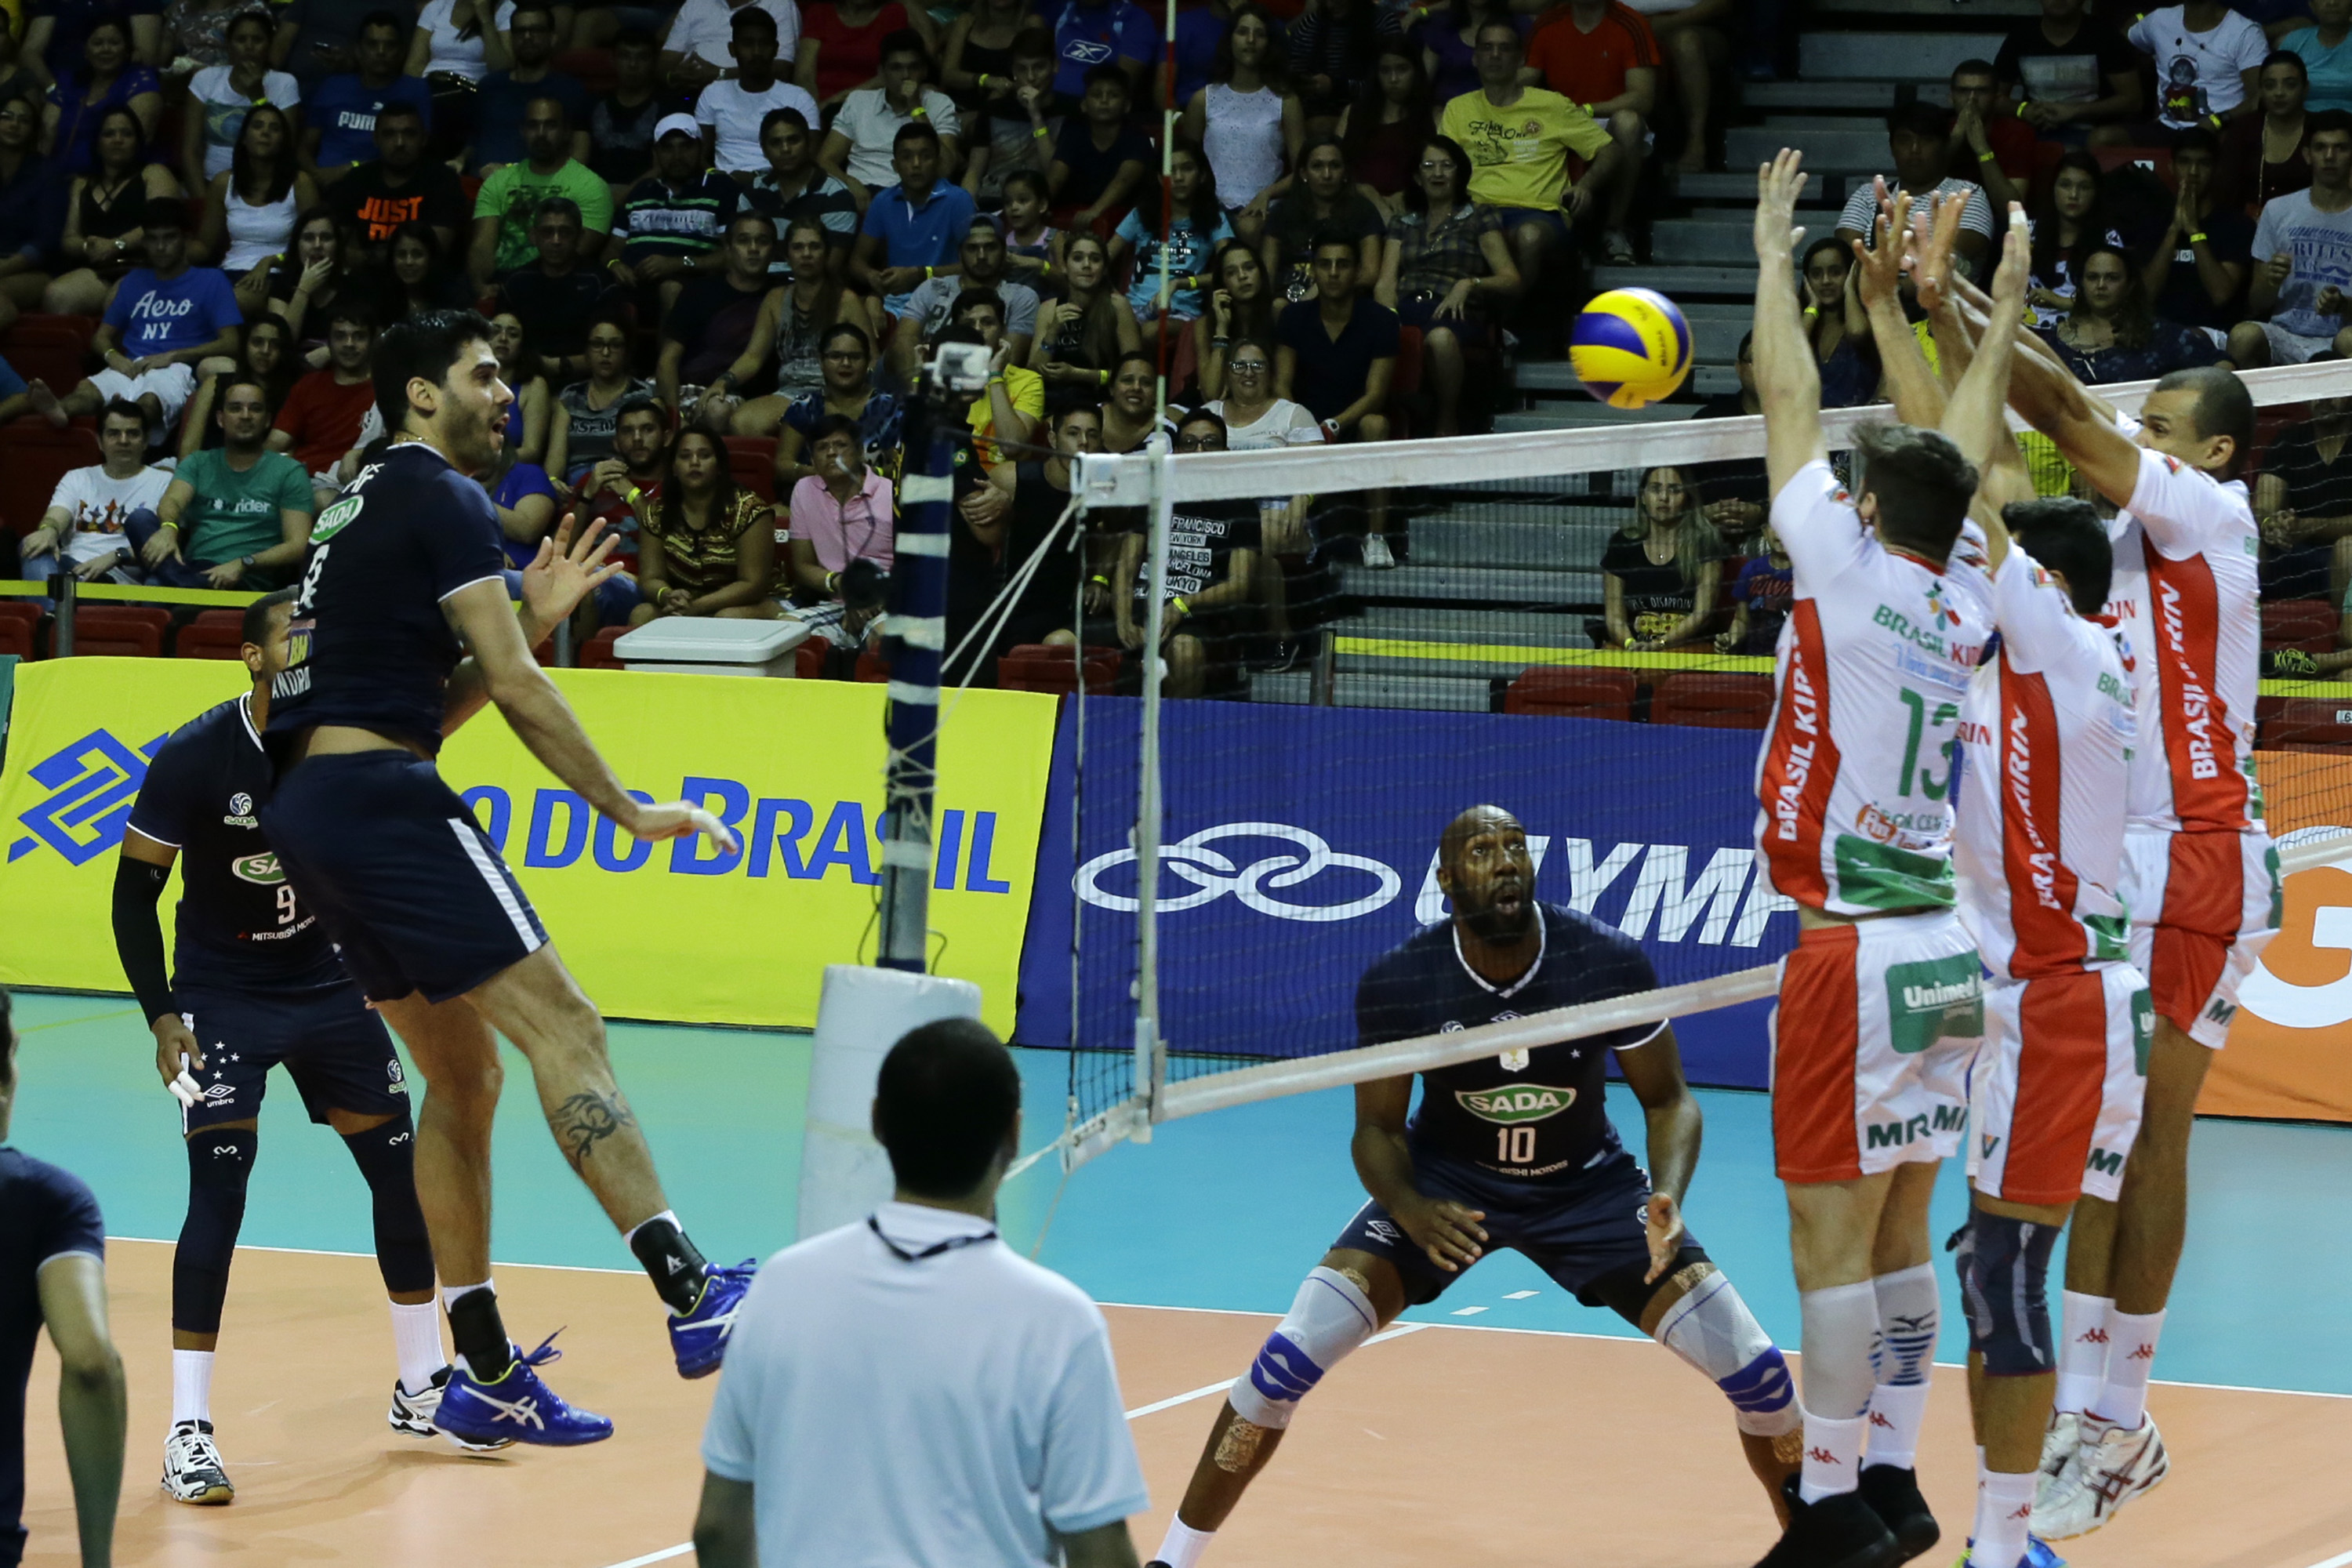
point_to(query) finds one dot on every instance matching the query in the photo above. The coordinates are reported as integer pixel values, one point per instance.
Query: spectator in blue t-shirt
(340, 118)
(163, 320)
(913, 229)
(53, 1273)
(1766, 587)
(1090, 32)
(1190, 241)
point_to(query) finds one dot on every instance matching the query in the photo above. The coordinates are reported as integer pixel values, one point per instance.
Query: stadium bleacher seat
(53, 349)
(2312, 724)
(598, 653)
(753, 460)
(1034, 667)
(2307, 626)
(808, 660)
(872, 667)
(18, 622)
(35, 457)
(119, 631)
(1707, 700)
(214, 634)
(1564, 691)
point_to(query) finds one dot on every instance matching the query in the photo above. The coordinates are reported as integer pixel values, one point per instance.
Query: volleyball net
(1218, 875)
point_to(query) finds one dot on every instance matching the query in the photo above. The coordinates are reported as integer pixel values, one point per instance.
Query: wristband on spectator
(831, 581)
(1039, 132)
(2216, 119)
(1098, 577)
(2196, 239)
(916, 113)
(1986, 156)
(636, 495)
(1182, 607)
(1103, 376)
(1220, 342)
(927, 274)
(2022, 104)
(983, 79)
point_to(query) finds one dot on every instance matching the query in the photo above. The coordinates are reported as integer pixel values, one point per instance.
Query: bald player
(1514, 1150)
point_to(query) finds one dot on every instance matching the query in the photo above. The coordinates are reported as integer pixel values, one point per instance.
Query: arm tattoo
(584, 1120)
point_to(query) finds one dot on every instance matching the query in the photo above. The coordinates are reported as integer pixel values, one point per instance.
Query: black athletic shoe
(1841, 1531)
(1894, 1496)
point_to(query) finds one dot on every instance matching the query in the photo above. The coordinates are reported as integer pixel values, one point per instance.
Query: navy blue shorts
(339, 1053)
(1578, 1232)
(407, 884)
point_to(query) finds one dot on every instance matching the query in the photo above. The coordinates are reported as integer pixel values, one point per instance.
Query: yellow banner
(670, 932)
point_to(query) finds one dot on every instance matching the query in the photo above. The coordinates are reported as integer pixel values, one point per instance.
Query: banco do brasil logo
(91, 785)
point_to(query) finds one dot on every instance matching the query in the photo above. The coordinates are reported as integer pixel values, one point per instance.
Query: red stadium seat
(1034, 667)
(591, 67)
(52, 349)
(214, 634)
(35, 457)
(2312, 724)
(15, 637)
(2305, 625)
(1564, 690)
(598, 653)
(872, 668)
(1713, 702)
(119, 631)
(753, 460)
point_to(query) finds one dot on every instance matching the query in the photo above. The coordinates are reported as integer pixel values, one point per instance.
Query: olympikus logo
(2195, 706)
(1805, 708)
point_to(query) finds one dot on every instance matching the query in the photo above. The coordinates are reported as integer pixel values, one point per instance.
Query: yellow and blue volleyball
(1631, 347)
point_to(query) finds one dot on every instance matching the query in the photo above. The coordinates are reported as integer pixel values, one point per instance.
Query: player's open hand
(1878, 268)
(1662, 1217)
(1445, 1230)
(676, 819)
(568, 569)
(1932, 259)
(177, 1052)
(1778, 186)
(2009, 279)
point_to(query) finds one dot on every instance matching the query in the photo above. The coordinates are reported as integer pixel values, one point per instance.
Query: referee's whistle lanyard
(874, 1224)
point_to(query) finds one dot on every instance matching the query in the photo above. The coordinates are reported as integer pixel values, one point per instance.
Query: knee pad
(1330, 1317)
(1712, 1329)
(2004, 1276)
(386, 1156)
(220, 1164)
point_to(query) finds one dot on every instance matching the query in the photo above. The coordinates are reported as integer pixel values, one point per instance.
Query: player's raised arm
(1788, 379)
(1919, 396)
(1975, 417)
(565, 571)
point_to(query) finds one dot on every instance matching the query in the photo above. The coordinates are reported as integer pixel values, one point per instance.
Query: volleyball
(1630, 348)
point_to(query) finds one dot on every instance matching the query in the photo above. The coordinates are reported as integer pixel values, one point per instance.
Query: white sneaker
(2060, 1443)
(192, 1466)
(1376, 553)
(412, 1414)
(2113, 1465)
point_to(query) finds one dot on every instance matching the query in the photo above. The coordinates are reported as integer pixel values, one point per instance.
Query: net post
(61, 589)
(1151, 1050)
(566, 655)
(917, 625)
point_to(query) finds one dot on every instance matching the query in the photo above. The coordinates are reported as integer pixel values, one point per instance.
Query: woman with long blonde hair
(1662, 573)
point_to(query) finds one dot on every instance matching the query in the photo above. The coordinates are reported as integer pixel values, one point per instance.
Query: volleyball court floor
(1502, 1425)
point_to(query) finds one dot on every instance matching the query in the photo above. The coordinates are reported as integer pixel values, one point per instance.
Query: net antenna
(1101, 1116)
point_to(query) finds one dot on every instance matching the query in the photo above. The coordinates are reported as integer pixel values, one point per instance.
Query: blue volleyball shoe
(698, 1339)
(515, 1407)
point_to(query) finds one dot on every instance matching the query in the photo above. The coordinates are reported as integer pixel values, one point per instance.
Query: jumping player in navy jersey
(53, 1274)
(403, 580)
(1512, 1150)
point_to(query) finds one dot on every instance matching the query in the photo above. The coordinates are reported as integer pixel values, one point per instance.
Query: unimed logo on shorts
(1516, 1102)
(91, 783)
(1933, 998)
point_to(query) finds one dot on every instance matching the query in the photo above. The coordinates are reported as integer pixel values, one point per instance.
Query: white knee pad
(1712, 1329)
(1330, 1317)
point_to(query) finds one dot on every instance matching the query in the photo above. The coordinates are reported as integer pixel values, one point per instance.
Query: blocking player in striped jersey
(1513, 1150)
(2047, 731)
(2200, 876)
(1880, 1003)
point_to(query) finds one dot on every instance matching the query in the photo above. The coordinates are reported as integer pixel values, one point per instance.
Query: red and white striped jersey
(1854, 783)
(2047, 731)
(2188, 592)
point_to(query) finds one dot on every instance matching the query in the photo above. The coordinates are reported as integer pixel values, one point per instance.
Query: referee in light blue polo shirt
(908, 1392)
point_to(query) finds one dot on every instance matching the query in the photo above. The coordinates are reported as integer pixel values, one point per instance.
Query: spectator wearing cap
(555, 297)
(1917, 137)
(931, 306)
(792, 187)
(1989, 144)
(674, 220)
(163, 320)
(502, 103)
(505, 207)
(731, 112)
(1003, 1367)
(1601, 54)
(913, 229)
(841, 511)
(2298, 294)
(862, 148)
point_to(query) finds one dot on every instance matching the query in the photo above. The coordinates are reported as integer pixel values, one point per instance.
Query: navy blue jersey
(369, 646)
(43, 1212)
(239, 922)
(1534, 1115)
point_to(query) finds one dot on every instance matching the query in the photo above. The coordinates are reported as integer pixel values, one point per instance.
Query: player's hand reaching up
(2009, 279)
(1878, 268)
(565, 571)
(1445, 1230)
(676, 819)
(1779, 184)
(1932, 265)
(1662, 1218)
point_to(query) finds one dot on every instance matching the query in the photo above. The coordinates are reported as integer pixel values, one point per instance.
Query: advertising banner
(675, 932)
(1300, 843)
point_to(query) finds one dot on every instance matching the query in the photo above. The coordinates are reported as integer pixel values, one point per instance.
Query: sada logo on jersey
(1516, 1104)
(262, 871)
(92, 783)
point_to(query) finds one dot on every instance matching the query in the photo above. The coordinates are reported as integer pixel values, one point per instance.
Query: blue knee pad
(220, 1164)
(1330, 1317)
(386, 1156)
(2004, 1267)
(1712, 1329)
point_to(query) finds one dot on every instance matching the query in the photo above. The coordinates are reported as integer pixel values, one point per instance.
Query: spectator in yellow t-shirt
(1009, 407)
(1518, 139)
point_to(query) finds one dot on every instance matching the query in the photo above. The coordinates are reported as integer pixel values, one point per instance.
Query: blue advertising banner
(1300, 843)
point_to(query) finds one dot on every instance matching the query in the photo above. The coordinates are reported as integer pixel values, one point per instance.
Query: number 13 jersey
(1854, 783)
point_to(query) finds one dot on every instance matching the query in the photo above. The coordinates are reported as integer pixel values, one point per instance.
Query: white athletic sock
(1832, 1456)
(191, 1387)
(417, 1342)
(2082, 1352)
(2131, 1354)
(1910, 1315)
(1183, 1544)
(2004, 1509)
